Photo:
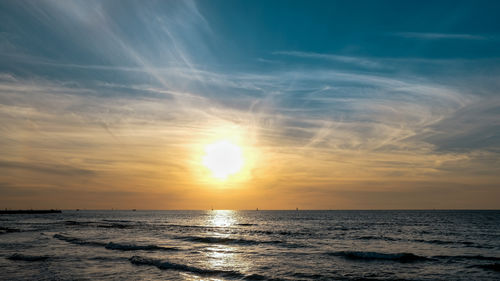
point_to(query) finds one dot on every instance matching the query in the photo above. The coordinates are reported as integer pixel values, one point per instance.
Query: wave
(104, 224)
(310, 276)
(241, 230)
(122, 221)
(493, 266)
(432, 241)
(374, 256)
(225, 240)
(137, 260)
(108, 258)
(114, 246)
(5, 230)
(283, 233)
(115, 225)
(405, 257)
(21, 257)
(70, 222)
(368, 237)
(435, 241)
(265, 232)
(469, 257)
(132, 247)
(192, 226)
(444, 242)
(257, 277)
(77, 241)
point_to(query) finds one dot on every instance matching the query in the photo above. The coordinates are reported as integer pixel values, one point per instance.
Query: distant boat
(133, 210)
(296, 209)
(257, 209)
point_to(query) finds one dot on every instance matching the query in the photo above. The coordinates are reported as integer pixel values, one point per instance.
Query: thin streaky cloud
(438, 36)
(360, 61)
(126, 96)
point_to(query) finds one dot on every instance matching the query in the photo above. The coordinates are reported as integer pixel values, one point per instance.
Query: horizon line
(132, 209)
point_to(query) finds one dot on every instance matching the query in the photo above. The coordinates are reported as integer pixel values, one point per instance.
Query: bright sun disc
(223, 159)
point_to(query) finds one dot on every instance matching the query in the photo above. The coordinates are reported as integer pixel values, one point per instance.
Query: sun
(223, 158)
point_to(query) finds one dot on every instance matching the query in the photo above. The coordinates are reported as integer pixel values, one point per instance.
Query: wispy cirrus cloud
(360, 61)
(441, 36)
(129, 102)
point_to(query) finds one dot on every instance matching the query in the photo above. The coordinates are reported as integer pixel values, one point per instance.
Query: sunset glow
(286, 104)
(249, 140)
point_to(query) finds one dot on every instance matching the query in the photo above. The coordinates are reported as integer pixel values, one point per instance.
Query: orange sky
(67, 164)
(115, 107)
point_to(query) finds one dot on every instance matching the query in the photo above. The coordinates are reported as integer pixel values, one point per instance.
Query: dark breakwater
(11, 212)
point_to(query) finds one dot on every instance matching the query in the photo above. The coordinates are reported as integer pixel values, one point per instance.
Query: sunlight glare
(223, 158)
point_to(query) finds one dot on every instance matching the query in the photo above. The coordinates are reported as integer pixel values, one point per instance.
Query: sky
(333, 104)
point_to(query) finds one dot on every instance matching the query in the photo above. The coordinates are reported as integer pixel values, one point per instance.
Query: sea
(251, 245)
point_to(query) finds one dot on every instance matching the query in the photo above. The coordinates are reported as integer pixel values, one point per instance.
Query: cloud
(60, 170)
(359, 61)
(127, 98)
(472, 127)
(440, 36)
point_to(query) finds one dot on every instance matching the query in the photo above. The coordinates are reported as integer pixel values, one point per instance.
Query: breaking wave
(469, 257)
(21, 257)
(132, 247)
(165, 265)
(374, 256)
(78, 241)
(114, 246)
(5, 230)
(444, 242)
(493, 266)
(405, 257)
(368, 237)
(120, 224)
(122, 221)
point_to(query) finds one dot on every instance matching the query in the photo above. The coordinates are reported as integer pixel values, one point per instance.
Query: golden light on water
(222, 218)
(224, 256)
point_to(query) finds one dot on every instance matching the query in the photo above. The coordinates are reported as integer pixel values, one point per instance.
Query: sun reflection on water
(222, 218)
(224, 256)
(221, 257)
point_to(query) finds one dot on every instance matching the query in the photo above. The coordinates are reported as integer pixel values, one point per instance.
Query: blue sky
(399, 98)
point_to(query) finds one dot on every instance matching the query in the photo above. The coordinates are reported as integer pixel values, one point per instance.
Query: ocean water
(251, 245)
